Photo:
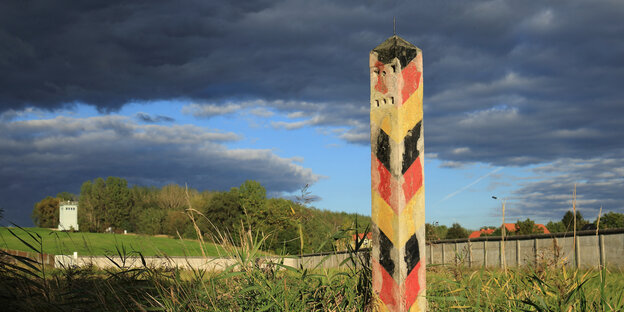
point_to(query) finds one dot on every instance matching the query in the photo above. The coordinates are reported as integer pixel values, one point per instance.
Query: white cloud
(44, 157)
(210, 110)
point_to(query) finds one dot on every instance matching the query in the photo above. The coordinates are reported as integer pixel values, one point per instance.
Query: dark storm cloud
(503, 79)
(44, 157)
(506, 82)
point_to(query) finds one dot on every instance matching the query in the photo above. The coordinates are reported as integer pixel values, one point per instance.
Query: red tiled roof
(478, 233)
(369, 235)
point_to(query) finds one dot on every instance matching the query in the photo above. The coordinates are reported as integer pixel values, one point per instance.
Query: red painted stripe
(411, 80)
(412, 287)
(413, 180)
(381, 79)
(385, 185)
(388, 288)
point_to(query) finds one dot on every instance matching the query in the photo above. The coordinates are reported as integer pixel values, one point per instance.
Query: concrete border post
(397, 175)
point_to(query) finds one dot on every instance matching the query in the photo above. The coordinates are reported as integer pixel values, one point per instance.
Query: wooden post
(397, 176)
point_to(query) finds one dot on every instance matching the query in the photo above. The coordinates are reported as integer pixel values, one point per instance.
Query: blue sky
(522, 100)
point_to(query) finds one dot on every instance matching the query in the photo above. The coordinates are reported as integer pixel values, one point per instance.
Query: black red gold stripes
(397, 180)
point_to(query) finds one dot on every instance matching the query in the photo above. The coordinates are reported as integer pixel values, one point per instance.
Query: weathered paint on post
(397, 175)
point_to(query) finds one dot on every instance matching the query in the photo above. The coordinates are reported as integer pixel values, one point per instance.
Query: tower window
(392, 100)
(377, 102)
(394, 68)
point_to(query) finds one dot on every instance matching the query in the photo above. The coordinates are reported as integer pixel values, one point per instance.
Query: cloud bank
(44, 157)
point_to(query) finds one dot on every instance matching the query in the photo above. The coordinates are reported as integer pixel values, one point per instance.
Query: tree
(527, 227)
(555, 227)
(66, 196)
(46, 213)
(568, 221)
(91, 206)
(435, 231)
(104, 204)
(611, 220)
(223, 215)
(142, 198)
(252, 195)
(176, 223)
(117, 203)
(150, 221)
(172, 197)
(456, 231)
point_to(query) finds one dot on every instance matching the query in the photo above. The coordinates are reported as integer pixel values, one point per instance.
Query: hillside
(92, 244)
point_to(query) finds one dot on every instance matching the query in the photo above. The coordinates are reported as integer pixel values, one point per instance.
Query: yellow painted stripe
(410, 219)
(383, 215)
(397, 121)
(409, 114)
(399, 228)
(415, 306)
(379, 306)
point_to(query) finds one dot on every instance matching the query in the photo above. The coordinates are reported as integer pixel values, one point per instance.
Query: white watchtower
(68, 216)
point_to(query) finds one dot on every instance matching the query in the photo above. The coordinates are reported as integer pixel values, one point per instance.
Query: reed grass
(251, 284)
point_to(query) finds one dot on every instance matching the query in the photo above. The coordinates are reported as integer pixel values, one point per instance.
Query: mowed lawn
(99, 244)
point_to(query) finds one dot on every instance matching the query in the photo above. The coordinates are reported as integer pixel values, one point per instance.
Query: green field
(99, 244)
(248, 286)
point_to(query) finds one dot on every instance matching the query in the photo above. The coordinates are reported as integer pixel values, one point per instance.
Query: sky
(522, 100)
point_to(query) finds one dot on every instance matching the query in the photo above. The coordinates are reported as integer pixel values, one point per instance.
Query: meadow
(249, 285)
(99, 244)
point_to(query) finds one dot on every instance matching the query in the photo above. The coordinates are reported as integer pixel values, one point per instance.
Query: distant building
(366, 240)
(509, 227)
(68, 216)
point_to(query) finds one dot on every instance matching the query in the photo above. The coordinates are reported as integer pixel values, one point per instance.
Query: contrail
(468, 185)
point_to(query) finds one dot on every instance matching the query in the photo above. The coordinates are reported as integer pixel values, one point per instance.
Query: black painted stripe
(412, 253)
(385, 257)
(410, 142)
(396, 47)
(383, 149)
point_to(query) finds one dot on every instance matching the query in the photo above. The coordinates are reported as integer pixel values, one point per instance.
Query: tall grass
(548, 285)
(252, 283)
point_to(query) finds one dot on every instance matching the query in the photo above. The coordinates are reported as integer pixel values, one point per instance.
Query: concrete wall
(593, 251)
(209, 264)
(607, 248)
(7, 254)
(314, 261)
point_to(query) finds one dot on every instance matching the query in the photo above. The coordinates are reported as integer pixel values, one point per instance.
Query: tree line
(610, 220)
(290, 226)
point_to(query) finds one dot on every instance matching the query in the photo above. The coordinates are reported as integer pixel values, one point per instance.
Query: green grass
(249, 285)
(100, 244)
(552, 288)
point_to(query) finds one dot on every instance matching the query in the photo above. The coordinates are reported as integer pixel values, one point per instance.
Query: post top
(396, 47)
